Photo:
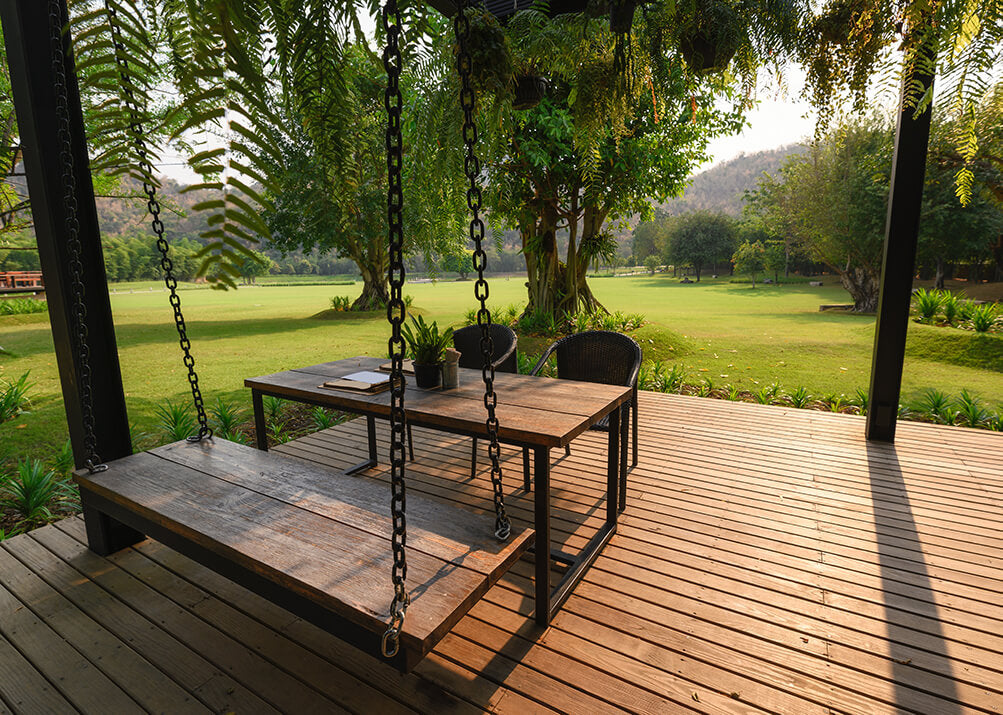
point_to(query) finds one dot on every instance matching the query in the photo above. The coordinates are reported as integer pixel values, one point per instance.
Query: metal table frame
(548, 600)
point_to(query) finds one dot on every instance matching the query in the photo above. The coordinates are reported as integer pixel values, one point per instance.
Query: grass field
(729, 333)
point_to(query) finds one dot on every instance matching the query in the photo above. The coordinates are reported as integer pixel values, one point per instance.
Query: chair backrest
(599, 356)
(468, 341)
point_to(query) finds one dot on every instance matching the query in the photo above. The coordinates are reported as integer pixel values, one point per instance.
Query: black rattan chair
(504, 341)
(600, 356)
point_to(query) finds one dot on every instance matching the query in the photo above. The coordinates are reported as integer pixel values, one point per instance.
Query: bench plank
(464, 538)
(328, 553)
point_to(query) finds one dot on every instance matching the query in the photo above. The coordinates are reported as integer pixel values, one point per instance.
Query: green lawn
(730, 333)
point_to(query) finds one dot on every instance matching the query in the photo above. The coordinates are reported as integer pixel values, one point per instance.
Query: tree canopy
(701, 238)
(231, 62)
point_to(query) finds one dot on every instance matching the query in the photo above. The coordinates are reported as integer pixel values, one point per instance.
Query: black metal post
(905, 200)
(26, 34)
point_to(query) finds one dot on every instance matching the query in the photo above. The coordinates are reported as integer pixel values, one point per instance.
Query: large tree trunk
(863, 286)
(374, 291)
(938, 281)
(544, 269)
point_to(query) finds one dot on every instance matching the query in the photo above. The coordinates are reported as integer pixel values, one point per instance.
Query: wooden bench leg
(106, 535)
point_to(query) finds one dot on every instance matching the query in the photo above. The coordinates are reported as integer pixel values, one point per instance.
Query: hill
(720, 188)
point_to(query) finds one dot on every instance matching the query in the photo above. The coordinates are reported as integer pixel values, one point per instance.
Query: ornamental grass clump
(950, 307)
(936, 406)
(33, 491)
(176, 421)
(970, 412)
(14, 397)
(927, 304)
(984, 317)
(800, 397)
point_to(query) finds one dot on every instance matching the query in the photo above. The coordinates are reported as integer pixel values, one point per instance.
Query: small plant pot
(427, 375)
(529, 90)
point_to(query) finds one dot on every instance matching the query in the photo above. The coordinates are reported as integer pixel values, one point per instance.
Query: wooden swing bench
(312, 540)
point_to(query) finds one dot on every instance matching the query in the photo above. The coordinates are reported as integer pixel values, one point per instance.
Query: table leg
(371, 431)
(624, 431)
(541, 472)
(260, 431)
(615, 462)
(372, 461)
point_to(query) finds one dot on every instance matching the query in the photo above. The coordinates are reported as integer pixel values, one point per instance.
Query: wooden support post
(26, 34)
(905, 201)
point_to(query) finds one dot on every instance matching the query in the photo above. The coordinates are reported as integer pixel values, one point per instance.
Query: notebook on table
(366, 381)
(408, 367)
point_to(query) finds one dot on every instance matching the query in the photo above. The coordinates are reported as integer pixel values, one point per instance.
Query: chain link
(396, 312)
(472, 169)
(153, 207)
(73, 246)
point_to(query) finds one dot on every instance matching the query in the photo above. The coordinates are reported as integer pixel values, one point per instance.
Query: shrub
(22, 306)
(936, 405)
(970, 410)
(950, 307)
(927, 303)
(62, 463)
(273, 406)
(226, 416)
(33, 491)
(799, 398)
(984, 317)
(764, 395)
(322, 418)
(341, 303)
(176, 421)
(660, 378)
(705, 388)
(734, 393)
(14, 397)
(862, 400)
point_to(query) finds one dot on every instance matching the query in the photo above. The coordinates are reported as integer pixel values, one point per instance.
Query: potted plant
(427, 347)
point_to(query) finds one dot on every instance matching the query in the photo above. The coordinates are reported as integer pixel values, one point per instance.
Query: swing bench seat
(312, 540)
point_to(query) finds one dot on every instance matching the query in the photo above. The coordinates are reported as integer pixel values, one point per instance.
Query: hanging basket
(706, 54)
(621, 16)
(529, 91)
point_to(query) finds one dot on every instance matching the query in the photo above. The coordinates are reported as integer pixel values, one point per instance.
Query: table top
(534, 411)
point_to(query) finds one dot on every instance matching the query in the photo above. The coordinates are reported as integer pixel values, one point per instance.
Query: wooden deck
(769, 560)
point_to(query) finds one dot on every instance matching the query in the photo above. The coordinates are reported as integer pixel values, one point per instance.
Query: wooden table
(535, 413)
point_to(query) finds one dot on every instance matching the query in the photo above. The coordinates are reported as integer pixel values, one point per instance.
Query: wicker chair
(504, 340)
(599, 356)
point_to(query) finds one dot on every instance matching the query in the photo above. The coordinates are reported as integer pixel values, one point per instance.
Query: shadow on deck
(769, 559)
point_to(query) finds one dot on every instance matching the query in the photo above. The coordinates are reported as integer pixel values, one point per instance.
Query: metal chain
(396, 312)
(472, 168)
(73, 246)
(153, 207)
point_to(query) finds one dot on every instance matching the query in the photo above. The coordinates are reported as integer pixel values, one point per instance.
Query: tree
(341, 207)
(833, 200)
(701, 238)
(460, 263)
(775, 259)
(649, 237)
(651, 263)
(750, 259)
(258, 264)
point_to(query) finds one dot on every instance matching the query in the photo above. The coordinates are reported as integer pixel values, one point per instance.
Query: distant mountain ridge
(720, 189)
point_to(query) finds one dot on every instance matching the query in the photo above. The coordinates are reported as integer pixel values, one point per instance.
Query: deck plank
(769, 560)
